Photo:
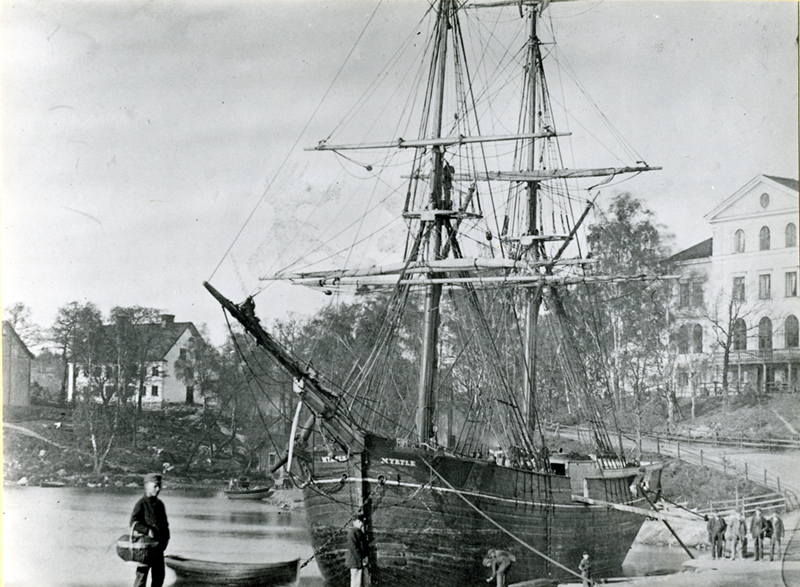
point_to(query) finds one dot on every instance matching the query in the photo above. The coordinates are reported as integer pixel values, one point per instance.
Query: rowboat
(252, 493)
(200, 572)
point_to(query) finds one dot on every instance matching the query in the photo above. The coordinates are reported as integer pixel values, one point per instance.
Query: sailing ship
(434, 500)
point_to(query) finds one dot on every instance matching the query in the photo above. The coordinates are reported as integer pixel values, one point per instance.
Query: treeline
(609, 335)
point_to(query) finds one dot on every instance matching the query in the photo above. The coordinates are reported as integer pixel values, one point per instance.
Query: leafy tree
(633, 313)
(77, 332)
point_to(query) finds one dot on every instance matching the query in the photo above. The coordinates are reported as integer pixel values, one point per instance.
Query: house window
(738, 242)
(763, 239)
(764, 287)
(189, 394)
(154, 391)
(738, 289)
(697, 294)
(792, 332)
(682, 340)
(791, 284)
(765, 334)
(764, 200)
(182, 354)
(697, 339)
(739, 335)
(154, 371)
(791, 235)
(683, 379)
(684, 295)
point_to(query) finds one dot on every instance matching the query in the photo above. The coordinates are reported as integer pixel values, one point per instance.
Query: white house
(741, 286)
(167, 342)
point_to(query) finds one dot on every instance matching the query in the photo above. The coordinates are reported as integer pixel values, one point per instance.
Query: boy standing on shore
(150, 517)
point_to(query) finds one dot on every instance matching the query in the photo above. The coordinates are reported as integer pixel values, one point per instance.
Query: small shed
(17, 361)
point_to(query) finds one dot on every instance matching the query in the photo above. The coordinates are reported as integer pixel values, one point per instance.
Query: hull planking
(422, 530)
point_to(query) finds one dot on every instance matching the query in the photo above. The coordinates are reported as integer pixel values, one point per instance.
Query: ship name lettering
(334, 459)
(400, 462)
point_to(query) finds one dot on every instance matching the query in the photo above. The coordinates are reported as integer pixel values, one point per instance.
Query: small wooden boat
(250, 493)
(199, 572)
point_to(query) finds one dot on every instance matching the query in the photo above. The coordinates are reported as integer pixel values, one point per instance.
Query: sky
(148, 146)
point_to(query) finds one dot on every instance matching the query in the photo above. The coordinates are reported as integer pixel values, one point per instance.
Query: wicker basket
(136, 548)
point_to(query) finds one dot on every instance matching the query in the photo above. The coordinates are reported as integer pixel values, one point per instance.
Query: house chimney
(167, 319)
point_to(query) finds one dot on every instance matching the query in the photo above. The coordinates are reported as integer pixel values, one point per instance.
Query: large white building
(738, 291)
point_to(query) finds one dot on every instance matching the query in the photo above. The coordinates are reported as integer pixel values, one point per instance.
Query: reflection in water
(65, 537)
(654, 560)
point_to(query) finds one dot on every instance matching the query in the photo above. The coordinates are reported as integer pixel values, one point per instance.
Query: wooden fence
(769, 502)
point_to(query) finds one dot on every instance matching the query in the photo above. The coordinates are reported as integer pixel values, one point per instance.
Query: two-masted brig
(493, 219)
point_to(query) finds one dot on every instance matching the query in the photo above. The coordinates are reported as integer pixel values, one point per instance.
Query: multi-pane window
(791, 235)
(792, 332)
(763, 239)
(764, 287)
(697, 339)
(739, 335)
(154, 391)
(697, 294)
(154, 371)
(684, 295)
(765, 334)
(738, 289)
(682, 340)
(738, 241)
(690, 294)
(791, 284)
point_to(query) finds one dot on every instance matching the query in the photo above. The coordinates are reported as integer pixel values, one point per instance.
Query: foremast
(433, 290)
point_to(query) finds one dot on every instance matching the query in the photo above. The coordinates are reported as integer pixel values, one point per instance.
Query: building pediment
(764, 195)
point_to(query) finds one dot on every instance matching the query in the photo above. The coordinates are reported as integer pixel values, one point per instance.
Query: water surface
(65, 537)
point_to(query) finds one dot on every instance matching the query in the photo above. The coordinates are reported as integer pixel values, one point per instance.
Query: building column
(70, 388)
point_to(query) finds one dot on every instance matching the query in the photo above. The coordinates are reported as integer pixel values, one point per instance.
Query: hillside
(747, 416)
(40, 444)
(170, 440)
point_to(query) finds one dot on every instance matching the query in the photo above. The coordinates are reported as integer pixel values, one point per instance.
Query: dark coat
(357, 548)
(758, 526)
(777, 528)
(148, 514)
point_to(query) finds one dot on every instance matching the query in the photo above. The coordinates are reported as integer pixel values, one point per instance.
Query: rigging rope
(292, 148)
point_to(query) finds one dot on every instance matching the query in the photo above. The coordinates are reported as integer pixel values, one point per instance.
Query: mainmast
(433, 290)
(533, 295)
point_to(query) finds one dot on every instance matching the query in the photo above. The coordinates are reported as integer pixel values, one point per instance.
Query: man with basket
(149, 518)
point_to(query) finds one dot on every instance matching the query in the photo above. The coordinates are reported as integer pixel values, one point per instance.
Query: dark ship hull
(422, 526)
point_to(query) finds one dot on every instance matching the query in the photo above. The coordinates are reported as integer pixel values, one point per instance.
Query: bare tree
(728, 318)
(19, 316)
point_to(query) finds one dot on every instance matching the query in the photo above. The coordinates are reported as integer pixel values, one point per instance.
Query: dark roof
(159, 337)
(789, 183)
(701, 250)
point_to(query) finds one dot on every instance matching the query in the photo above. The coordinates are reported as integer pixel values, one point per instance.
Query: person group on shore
(728, 538)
